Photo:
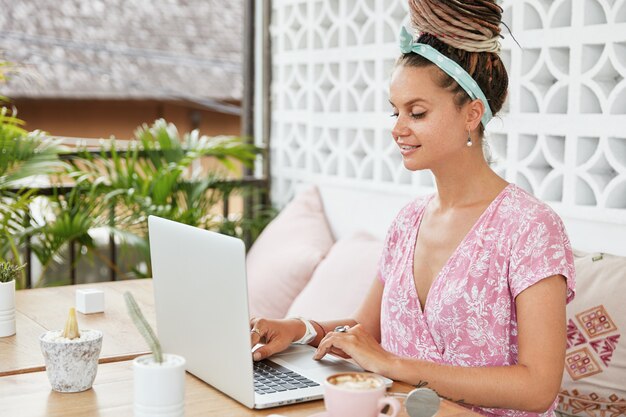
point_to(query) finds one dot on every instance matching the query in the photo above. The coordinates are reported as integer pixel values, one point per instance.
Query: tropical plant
(23, 155)
(155, 174)
(116, 189)
(144, 327)
(67, 218)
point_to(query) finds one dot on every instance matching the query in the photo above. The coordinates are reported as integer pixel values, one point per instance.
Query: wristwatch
(309, 334)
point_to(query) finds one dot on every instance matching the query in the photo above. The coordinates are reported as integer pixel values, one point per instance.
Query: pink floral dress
(469, 315)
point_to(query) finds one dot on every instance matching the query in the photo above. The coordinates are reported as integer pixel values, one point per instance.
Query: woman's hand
(277, 335)
(357, 344)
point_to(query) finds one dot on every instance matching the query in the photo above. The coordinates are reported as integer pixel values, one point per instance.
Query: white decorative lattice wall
(562, 134)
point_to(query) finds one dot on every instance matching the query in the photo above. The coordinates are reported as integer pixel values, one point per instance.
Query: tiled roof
(123, 48)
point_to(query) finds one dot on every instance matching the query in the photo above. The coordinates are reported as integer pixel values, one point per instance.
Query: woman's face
(430, 129)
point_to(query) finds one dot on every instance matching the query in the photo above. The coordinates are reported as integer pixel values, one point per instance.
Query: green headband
(448, 66)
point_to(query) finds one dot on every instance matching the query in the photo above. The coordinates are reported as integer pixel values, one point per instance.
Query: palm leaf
(25, 154)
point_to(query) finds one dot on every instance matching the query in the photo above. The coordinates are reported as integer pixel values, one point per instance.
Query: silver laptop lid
(202, 306)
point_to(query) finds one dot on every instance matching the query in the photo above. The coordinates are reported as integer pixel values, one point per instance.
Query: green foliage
(5, 68)
(9, 271)
(155, 176)
(113, 191)
(73, 216)
(250, 226)
(13, 210)
(22, 155)
(144, 327)
(116, 188)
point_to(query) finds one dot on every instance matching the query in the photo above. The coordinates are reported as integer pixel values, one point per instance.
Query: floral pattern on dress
(469, 315)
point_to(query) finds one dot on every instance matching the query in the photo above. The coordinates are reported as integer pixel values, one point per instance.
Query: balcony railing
(254, 197)
(226, 186)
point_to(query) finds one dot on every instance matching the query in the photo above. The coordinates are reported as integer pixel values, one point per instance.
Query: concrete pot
(7, 308)
(159, 389)
(71, 365)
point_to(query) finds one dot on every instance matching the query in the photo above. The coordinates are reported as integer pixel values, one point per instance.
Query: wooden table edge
(107, 359)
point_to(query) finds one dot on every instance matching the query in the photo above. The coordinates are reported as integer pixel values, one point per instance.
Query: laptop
(201, 301)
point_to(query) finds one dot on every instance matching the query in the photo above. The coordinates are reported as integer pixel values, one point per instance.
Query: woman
(473, 280)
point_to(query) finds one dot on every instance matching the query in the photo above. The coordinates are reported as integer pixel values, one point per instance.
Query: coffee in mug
(357, 393)
(355, 381)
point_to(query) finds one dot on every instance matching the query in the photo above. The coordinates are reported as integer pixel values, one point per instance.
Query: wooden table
(43, 309)
(25, 390)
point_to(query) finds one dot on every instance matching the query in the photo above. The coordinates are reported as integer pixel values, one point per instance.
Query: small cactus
(71, 326)
(9, 271)
(144, 327)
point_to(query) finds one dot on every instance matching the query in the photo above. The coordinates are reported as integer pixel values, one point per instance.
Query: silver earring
(469, 139)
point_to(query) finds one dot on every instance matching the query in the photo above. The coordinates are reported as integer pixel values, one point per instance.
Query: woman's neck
(466, 182)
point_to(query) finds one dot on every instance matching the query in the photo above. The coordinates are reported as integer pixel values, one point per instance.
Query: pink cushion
(594, 381)
(341, 281)
(282, 259)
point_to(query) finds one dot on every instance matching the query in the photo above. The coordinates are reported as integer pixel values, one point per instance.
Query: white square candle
(89, 301)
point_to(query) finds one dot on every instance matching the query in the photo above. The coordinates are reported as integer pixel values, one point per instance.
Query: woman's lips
(408, 149)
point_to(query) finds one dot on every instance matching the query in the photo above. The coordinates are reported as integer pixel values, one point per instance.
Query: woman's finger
(323, 347)
(332, 340)
(255, 336)
(339, 352)
(266, 351)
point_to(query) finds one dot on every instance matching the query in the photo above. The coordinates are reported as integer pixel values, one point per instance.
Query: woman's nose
(399, 128)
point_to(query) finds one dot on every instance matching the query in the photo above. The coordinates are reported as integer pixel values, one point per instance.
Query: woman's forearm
(514, 386)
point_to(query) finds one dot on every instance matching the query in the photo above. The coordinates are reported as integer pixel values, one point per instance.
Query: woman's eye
(413, 115)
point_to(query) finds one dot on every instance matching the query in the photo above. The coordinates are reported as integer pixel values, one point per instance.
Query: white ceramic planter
(159, 389)
(7, 308)
(71, 365)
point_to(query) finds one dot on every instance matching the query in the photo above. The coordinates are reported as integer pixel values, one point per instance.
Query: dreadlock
(473, 27)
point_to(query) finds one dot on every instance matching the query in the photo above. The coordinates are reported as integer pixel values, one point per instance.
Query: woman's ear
(475, 112)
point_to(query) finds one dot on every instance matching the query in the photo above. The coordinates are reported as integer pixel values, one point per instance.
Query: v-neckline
(454, 253)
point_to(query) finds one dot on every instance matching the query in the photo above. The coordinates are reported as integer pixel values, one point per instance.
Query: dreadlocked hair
(466, 32)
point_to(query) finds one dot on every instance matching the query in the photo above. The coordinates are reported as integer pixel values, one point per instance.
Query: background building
(103, 67)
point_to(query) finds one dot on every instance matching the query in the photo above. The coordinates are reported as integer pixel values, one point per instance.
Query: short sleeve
(541, 249)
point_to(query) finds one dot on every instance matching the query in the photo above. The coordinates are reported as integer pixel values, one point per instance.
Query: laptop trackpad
(301, 357)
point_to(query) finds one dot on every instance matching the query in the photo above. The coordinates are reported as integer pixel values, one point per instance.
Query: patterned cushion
(594, 381)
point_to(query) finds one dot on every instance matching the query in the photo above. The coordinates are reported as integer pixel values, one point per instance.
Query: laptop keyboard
(270, 377)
